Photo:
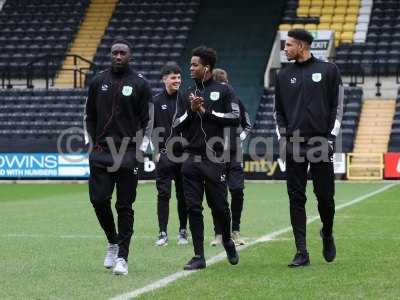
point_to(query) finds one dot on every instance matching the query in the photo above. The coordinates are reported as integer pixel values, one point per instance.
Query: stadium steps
(374, 127)
(87, 39)
(372, 137)
(243, 42)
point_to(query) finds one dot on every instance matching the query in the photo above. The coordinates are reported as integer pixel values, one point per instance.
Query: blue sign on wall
(35, 165)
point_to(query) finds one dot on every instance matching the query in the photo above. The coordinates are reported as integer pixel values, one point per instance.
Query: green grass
(52, 248)
(367, 265)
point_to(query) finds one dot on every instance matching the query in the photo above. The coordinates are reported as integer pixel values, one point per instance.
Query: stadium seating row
(343, 17)
(378, 54)
(39, 113)
(159, 35)
(31, 29)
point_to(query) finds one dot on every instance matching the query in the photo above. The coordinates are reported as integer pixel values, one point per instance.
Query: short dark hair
(121, 41)
(208, 56)
(170, 68)
(301, 35)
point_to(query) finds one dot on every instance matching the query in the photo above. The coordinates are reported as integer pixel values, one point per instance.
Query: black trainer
(197, 262)
(230, 249)
(329, 248)
(300, 259)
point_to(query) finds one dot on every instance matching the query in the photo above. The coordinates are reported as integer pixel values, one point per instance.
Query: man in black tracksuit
(117, 108)
(203, 113)
(308, 112)
(168, 170)
(234, 169)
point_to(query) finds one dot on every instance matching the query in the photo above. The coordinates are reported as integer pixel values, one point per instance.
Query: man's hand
(196, 103)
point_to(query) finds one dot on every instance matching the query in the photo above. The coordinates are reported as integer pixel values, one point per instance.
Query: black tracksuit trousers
(209, 177)
(101, 187)
(167, 171)
(324, 189)
(235, 181)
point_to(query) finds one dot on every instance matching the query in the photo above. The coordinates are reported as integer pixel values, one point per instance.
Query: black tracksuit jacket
(117, 106)
(222, 110)
(164, 112)
(309, 99)
(242, 131)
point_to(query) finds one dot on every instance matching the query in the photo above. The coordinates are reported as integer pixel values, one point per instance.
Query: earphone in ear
(205, 69)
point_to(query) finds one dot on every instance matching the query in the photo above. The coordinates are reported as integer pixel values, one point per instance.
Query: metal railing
(78, 72)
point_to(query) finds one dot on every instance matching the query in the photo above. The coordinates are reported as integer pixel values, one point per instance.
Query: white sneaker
(217, 240)
(182, 237)
(162, 239)
(111, 255)
(237, 239)
(121, 267)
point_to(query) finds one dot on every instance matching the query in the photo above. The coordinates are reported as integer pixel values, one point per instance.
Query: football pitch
(51, 247)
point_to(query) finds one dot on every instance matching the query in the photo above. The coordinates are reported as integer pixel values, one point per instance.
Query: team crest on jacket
(127, 90)
(316, 77)
(214, 96)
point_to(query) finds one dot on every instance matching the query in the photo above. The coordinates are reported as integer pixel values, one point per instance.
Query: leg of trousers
(101, 186)
(126, 194)
(217, 227)
(163, 182)
(193, 188)
(296, 173)
(236, 211)
(324, 189)
(235, 182)
(235, 177)
(180, 197)
(236, 208)
(216, 193)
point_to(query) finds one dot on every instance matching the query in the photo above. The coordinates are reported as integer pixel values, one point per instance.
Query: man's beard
(118, 68)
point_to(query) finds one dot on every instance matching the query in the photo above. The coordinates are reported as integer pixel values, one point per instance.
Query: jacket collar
(306, 62)
(120, 73)
(168, 96)
(200, 83)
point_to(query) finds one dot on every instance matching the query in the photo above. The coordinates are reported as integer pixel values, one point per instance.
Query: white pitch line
(221, 256)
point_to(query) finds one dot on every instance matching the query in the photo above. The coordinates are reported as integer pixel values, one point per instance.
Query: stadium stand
(366, 31)
(32, 29)
(31, 120)
(374, 126)
(394, 142)
(380, 53)
(265, 125)
(158, 31)
(243, 42)
(87, 40)
(339, 16)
